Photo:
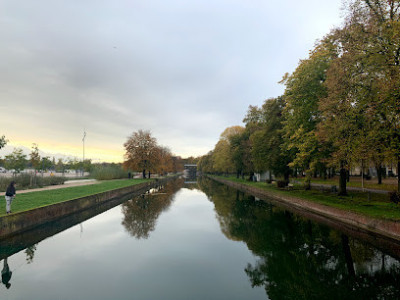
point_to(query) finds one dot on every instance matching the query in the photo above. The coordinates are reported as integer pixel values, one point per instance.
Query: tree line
(340, 107)
(18, 161)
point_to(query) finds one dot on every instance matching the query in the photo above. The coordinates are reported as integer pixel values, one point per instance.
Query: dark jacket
(10, 191)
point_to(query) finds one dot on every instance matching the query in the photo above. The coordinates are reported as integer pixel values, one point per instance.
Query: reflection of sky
(186, 257)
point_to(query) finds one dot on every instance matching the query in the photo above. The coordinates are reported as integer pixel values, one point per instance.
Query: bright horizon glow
(64, 151)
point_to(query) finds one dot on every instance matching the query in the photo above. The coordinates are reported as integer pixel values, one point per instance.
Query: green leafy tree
(45, 163)
(60, 166)
(304, 89)
(16, 160)
(3, 141)
(267, 149)
(35, 158)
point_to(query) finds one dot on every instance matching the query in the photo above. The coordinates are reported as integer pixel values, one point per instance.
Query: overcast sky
(185, 70)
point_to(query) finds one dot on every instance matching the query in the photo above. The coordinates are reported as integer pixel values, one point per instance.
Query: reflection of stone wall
(22, 221)
(385, 228)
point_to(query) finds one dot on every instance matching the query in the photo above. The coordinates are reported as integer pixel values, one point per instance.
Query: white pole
(83, 142)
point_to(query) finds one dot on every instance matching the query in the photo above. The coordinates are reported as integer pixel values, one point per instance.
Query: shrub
(394, 197)
(26, 181)
(281, 183)
(108, 172)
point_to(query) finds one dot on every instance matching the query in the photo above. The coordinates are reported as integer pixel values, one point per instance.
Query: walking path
(67, 184)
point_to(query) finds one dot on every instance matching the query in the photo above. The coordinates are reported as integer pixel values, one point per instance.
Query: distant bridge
(190, 170)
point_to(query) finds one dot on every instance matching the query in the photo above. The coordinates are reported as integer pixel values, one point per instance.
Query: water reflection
(300, 259)
(141, 213)
(6, 274)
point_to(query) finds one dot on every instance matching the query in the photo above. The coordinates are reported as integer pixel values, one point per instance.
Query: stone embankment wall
(385, 228)
(22, 221)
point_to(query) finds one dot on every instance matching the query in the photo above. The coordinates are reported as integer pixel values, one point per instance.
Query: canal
(198, 240)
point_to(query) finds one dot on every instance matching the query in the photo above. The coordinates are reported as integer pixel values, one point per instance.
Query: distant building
(190, 170)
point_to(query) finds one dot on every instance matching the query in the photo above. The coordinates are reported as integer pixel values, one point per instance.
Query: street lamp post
(83, 158)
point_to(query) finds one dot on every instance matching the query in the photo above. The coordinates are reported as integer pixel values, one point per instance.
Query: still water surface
(198, 241)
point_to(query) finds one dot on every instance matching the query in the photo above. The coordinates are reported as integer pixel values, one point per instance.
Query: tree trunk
(347, 256)
(379, 173)
(342, 180)
(286, 177)
(144, 173)
(307, 181)
(398, 175)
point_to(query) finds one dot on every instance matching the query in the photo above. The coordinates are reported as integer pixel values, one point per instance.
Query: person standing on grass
(10, 195)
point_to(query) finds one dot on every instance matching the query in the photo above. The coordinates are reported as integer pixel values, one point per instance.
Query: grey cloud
(183, 69)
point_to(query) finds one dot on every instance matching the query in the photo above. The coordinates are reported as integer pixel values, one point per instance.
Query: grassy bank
(387, 184)
(369, 204)
(46, 197)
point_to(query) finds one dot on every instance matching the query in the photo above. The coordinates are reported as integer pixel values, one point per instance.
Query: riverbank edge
(26, 220)
(385, 228)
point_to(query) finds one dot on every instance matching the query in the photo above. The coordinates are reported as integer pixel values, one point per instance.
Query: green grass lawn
(369, 204)
(387, 184)
(32, 200)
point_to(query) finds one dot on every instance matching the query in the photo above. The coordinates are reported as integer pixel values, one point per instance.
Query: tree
(35, 161)
(16, 160)
(362, 108)
(206, 163)
(222, 155)
(304, 89)
(141, 152)
(35, 157)
(60, 166)
(241, 153)
(267, 149)
(379, 21)
(165, 163)
(45, 163)
(3, 141)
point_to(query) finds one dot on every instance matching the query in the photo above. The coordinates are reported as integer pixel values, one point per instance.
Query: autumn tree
(362, 108)
(206, 163)
(141, 152)
(241, 153)
(222, 154)
(379, 23)
(177, 164)
(165, 164)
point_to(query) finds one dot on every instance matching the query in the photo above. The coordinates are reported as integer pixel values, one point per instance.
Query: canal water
(198, 240)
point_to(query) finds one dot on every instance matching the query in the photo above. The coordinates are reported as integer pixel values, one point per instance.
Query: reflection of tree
(141, 213)
(299, 259)
(30, 253)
